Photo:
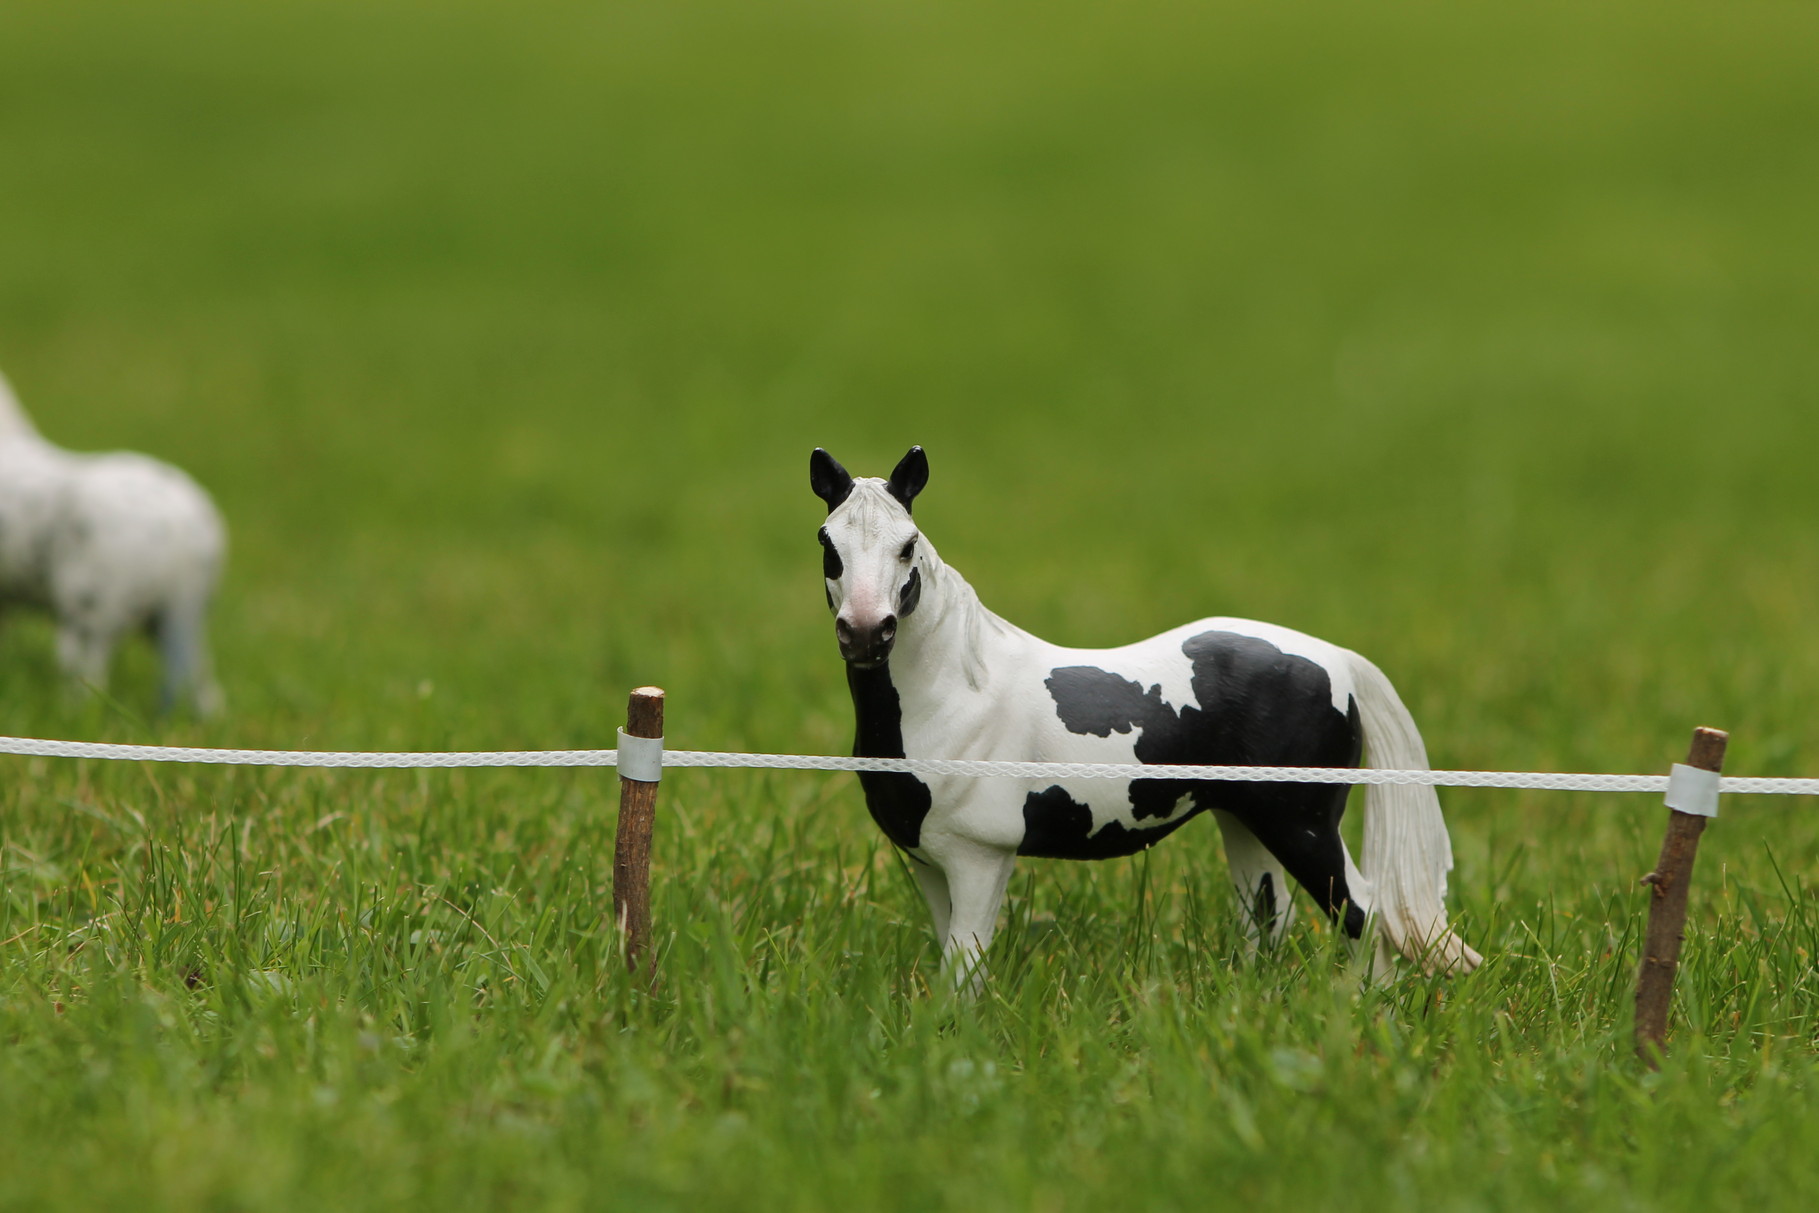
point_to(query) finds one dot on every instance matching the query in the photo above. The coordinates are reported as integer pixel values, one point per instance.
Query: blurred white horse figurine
(109, 542)
(936, 675)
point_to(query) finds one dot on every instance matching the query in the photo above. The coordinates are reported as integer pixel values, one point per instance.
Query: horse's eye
(909, 550)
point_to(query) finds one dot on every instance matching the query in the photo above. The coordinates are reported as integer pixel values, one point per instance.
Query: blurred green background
(1476, 337)
(1379, 320)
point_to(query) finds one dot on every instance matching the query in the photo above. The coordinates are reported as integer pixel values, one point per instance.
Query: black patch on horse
(1056, 826)
(831, 482)
(1257, 706)
(909, 477)
(831, 565)
(898, 801)
(911, 595)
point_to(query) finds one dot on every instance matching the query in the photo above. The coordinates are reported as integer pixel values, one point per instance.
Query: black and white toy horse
(933, 674)
(108, 543)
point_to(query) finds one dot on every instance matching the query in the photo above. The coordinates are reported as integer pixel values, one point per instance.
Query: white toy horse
(107, 543)
(933, 674)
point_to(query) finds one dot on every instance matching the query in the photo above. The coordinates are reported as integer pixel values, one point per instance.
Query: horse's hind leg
(1299, 824)
(188, 668)
(1265, 903)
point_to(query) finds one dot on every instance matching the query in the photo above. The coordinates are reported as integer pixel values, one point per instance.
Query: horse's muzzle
(866, 646)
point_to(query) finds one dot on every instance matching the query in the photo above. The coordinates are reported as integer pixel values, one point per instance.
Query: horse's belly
(1059, 823)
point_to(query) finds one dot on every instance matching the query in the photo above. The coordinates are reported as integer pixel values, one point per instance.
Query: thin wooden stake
(1670, 882)
(632, 847)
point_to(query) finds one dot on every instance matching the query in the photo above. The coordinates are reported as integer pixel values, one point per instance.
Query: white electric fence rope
(1567, 782)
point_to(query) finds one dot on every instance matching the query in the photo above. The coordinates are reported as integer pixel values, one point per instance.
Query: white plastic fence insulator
(640, 758)
(1694, 790)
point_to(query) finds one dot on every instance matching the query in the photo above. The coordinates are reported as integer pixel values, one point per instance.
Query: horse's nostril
(887, 631)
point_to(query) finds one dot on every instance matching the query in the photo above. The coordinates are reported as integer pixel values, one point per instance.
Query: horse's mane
(975, 624)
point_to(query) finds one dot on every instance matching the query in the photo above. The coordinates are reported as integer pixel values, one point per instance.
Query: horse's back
(1200, 666)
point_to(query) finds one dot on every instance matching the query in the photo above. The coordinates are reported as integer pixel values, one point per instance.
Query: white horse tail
(1407, 853)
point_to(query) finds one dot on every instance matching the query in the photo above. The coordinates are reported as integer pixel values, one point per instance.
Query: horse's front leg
(976, 880)
(83, 652)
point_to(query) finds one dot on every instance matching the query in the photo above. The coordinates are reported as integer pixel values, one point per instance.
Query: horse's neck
(954, 649)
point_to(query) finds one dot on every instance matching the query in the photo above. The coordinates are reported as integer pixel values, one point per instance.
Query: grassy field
(1478, 340)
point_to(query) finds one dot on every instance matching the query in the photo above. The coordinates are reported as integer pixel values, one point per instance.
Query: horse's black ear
(831, 482)
(910, 476)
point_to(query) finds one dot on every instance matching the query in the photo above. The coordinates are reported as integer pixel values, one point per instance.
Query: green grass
(1477, 340)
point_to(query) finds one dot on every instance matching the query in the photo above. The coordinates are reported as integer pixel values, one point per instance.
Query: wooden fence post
(632, 846)
(1667, 907)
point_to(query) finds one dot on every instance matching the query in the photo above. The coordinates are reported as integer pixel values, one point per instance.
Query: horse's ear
(910, 476)
(831, 482)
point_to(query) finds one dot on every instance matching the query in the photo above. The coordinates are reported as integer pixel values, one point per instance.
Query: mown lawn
(1478, 340)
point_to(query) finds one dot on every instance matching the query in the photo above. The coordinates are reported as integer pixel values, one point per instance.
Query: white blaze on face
(875, 542)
